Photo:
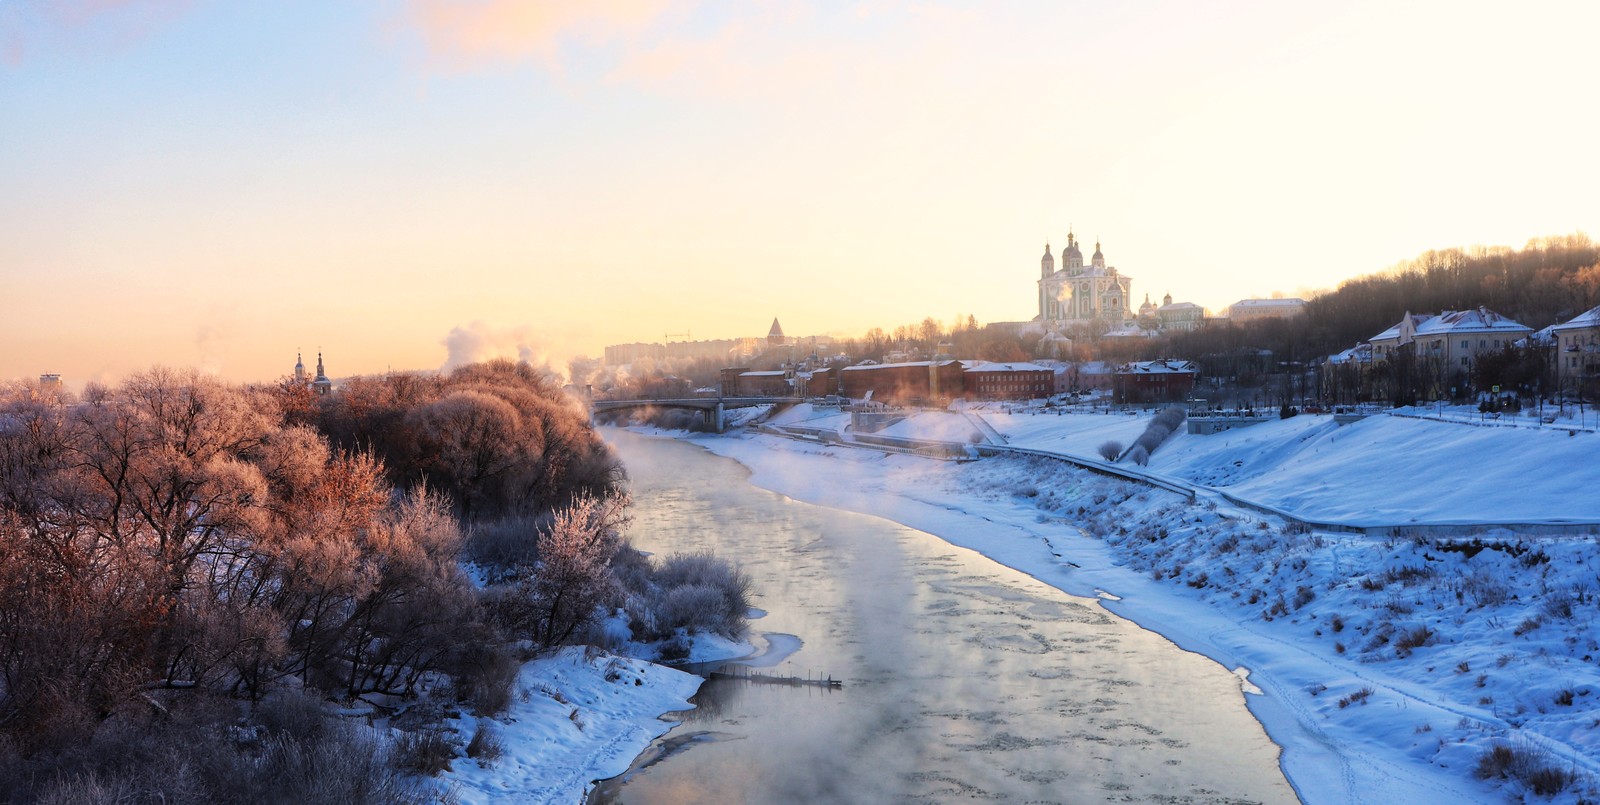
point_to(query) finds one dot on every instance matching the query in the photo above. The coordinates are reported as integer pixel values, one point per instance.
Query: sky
(411, 184)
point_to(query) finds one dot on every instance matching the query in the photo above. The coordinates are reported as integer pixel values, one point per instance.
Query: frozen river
(963, 679)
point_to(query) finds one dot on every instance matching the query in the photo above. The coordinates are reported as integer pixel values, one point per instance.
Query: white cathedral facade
(1078, 293)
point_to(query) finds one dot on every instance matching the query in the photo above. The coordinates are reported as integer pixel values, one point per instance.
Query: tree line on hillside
(187, 568)
(1549, 280)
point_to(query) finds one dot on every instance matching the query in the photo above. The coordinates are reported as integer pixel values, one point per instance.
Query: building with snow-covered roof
(990, 380)
(1091, 376)
(1577, 349)
(1397, 335)
(1359, 354)
(1180, 316)
(741, 381)
(1254, 309)
(1053, 345)
(910, 382)
(819, 382)
(1453, 339)
(1168, 379)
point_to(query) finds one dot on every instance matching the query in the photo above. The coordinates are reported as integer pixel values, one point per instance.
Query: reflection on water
(962, 679)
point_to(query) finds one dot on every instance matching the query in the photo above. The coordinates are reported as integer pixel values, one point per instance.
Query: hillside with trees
(1548, 280)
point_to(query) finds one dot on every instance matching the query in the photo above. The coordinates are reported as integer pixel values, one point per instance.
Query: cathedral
(320, 384)
(1077, 293)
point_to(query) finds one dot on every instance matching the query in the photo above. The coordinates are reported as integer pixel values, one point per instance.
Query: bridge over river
(712, 410)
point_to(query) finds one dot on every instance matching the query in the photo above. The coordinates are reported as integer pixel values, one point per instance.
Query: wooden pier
(758, 678)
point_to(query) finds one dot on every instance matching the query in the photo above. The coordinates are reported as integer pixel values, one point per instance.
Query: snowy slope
(1381, 470)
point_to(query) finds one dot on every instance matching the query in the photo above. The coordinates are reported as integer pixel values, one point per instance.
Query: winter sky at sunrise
(218, 183)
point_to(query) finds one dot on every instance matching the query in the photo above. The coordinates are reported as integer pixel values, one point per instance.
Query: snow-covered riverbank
(579, 715)
(575, 717)
(1387, 667)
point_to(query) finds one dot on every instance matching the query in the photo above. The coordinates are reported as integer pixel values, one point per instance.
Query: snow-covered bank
(1438, 632)
(575, 717)
(1378, 471)
(581, 714)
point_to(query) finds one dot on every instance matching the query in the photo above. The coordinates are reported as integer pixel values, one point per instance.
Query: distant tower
(1072, 256)
(1047, 264)
(1167, 300)
(321, 385)
(775, 335)
(299, 369)
(1099, 260)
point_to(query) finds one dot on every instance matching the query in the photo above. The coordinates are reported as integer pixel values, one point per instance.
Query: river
(962, 679)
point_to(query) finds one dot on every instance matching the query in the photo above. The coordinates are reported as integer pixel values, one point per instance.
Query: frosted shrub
(1139, 454)
(695, 607)
(1159, 430)
(1110, 450)
(563, 593)
(720, 603)
(696, 592)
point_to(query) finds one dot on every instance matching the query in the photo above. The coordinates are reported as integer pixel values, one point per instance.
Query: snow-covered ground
(1387, 666)
(575, 717)
(578, 715)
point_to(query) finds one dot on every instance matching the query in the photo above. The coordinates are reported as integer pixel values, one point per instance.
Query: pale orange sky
(217, 184)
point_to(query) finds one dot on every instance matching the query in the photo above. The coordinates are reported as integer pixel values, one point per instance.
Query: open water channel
(962, 679)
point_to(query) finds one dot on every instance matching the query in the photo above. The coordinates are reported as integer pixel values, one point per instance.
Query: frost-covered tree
(562, 593)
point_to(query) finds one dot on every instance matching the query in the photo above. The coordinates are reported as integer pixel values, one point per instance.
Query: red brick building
(822, 382)
(774, 383)
(742, 382)
(1166, 380)
(1009, 381)
(730, 380)
(917, 382)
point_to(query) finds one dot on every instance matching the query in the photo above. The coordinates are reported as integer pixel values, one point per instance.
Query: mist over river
(962, 679)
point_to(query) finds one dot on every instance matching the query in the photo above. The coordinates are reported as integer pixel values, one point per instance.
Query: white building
(1252, 309)
(1078, 293)
(1577, 348)
(1453, 338)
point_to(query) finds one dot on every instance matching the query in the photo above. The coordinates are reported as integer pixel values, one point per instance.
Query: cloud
(472, 34)
(746, 50)
(82, 27)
